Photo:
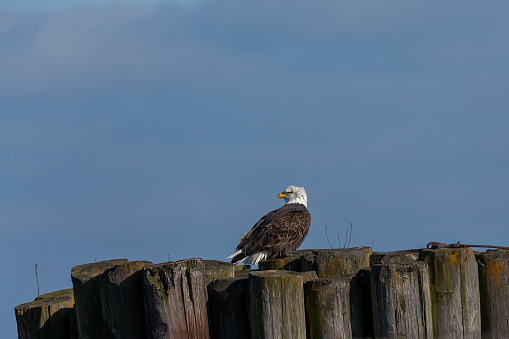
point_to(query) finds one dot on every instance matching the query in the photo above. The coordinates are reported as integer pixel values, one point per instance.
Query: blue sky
(136, 130)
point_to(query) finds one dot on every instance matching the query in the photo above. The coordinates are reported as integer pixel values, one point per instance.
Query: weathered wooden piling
(175, 298)
(440, 293)
(228, 308)
(308, 275)
(329, 263)
(243, 273)
(292, 263)
(121, 296)
(215, 269)
(393, 257)
(494, 293)
(85, 279)
(327, 303)
(401, 300)
(454, 286)
(276, 305)
(49, 316)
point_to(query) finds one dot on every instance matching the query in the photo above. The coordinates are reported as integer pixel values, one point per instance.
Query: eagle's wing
(277, 231)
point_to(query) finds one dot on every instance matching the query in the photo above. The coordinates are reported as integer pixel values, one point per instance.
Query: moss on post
(494, 293)
(329, 263)
(175, 298)
(454, 286)
(276, 305)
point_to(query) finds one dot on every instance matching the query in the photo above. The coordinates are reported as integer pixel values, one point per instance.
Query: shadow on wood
(49, 316)
(121, 298)
(85, 280)
(228, 308)
(494, 293)
(360, 305)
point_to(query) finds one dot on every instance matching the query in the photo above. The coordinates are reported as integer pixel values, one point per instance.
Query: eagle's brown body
(278, 232)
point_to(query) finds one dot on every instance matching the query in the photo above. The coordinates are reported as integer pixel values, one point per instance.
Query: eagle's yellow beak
(282, 195)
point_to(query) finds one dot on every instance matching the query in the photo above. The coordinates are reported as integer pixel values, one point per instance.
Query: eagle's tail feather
(234, 254)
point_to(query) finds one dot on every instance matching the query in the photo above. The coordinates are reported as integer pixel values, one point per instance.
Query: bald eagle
(278, 232)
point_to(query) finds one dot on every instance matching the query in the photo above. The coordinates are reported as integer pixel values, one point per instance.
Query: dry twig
(37, 280)
(328, 237)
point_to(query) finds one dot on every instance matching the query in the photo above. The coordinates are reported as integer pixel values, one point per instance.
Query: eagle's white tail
(257, 257)
(234, 254)
(253, 259)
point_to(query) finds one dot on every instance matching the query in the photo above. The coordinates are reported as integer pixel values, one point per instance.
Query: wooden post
(68, 292)
(401, 300)
(291, 262)
(308, 276)
(175, 297)
(244, 273)
(327, 303)
(228, 308)
(49, 316)
(454, 285)
(276, 305)
(393, 257)
(329, 263)
(361, 306)
(215, 269)
(494, 296)
(121, 298)
(85, 279)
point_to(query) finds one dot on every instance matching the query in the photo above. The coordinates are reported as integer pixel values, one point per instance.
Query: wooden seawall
(343, 293)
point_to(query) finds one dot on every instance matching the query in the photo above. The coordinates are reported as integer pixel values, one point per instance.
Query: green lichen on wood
(454, 287)
(175, 298)
(160, 276)
(156, 277)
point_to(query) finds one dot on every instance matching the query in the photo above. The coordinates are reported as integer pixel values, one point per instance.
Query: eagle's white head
(294, 195)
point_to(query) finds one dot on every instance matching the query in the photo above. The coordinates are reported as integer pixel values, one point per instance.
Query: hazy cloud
(231, 41)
